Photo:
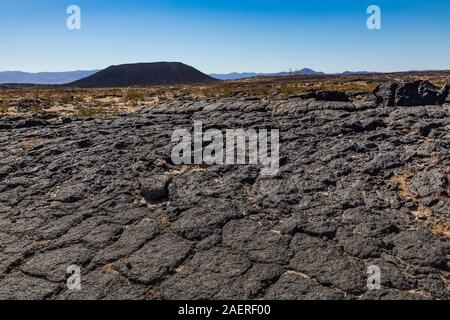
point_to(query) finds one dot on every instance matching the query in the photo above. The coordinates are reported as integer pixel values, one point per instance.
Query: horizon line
(236, 72)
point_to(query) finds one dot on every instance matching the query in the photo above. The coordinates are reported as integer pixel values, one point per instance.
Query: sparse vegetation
(90, 111)
(65, 98)
(110, 101)
(36, 108)
(442, 229)
(135, 95)
(4, 107)
(373, 178)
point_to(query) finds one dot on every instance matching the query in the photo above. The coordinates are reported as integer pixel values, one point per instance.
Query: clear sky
(218, 36)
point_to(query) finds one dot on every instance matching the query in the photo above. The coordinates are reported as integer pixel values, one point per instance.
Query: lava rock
(70, 193)
(206, 275)
(52, 265)
(429, 182)
(155, 259)
(202, 221)
(105, 284)
(408, 94)
(385, 94)
(417, 93)
(420, 249)
(445, 94)
(25, 105)
(155, 188)
(310, 256)
(30, 123)
(297, 286)
(18, 286)
(327, 96)
(46, 115)
(261, 245)
(343, 198)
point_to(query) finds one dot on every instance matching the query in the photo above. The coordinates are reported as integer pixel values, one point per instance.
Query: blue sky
(224, 36)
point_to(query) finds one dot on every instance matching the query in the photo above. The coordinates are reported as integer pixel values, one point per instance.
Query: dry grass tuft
(110, 269)
(90, 112)
(36, 108)
(442, 229)
(402, 184)
(44, 242)
(134, 95)
(65, 98)
(4, 107)
(422, 213)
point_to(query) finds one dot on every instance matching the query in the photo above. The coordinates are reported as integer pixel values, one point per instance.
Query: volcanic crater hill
(360, 183)
(143, 74)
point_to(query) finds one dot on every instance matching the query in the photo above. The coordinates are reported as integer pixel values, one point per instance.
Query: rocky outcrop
(358, 185)
(445, 94)
(385, 94)
(326, 96)
(415, 93)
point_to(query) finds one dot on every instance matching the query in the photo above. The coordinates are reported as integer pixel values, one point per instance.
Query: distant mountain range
(305, 71)
(243, 75)
(44, 77)
(346, 73)
(143, 74)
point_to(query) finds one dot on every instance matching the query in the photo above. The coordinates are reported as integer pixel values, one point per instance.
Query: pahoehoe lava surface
(360, 184)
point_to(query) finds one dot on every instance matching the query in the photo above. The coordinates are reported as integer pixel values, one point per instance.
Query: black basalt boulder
(385, 94)
(408, 94)
(327, 96)
(445, 94)
(417, 93)
(154, 188)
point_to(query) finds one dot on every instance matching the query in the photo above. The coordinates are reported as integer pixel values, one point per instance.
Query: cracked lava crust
(360, 184)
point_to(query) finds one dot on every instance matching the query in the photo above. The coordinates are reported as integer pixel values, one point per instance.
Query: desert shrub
(65, 98)
(287, 90)
(89, 112)
(263, 90)
(36, 107)
(226, 91)
(96, 111)
(135, 95)
(4, 107)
